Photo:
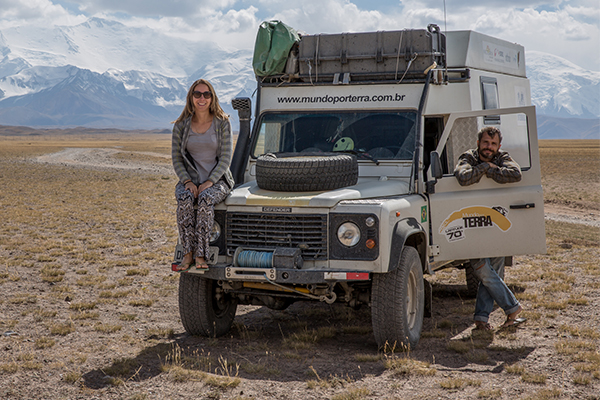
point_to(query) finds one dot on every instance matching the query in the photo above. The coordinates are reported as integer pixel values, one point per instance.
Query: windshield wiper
(361, 154)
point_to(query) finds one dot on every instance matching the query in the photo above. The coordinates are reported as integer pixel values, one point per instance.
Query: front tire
(204, 308)
(398, 303)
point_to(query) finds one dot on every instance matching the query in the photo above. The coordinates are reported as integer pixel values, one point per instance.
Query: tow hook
(329, 300)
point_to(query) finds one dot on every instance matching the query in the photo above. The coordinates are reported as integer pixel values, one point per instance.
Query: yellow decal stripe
(497, 218)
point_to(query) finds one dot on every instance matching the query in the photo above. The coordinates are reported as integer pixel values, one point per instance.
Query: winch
(280, 257)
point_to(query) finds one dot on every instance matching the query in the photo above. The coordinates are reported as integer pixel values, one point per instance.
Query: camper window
(489, 96)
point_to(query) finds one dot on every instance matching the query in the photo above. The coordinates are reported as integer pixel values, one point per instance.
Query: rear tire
(398, 303)
(472, 281)
(204, 308)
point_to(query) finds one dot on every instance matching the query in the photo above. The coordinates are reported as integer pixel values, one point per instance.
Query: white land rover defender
(345, 189)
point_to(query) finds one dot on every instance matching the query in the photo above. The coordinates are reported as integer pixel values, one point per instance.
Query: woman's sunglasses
(197, 94)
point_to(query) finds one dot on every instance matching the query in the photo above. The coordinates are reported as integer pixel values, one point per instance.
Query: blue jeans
(492, 288)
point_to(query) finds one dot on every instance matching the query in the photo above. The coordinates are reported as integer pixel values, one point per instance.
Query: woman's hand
(192, 188)
(204, 186)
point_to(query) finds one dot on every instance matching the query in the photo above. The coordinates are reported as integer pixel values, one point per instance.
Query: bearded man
(495, 164)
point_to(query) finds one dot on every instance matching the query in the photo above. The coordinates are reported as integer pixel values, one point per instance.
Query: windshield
(382, 135)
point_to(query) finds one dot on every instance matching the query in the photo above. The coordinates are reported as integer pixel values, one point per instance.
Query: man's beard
(488, 151)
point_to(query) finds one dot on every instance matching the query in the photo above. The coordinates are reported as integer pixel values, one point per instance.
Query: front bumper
(284, 276)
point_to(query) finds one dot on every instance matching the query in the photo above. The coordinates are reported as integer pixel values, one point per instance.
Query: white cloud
(154, 8)
(555, 32)
(585, 12)
(328, 16)
(22, 12)
(568, 28)
(234, 29)
(533, 24)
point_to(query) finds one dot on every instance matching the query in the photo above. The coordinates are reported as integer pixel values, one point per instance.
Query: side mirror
(436, 165)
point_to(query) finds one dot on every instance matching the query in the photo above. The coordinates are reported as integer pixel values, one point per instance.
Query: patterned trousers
(196, 225)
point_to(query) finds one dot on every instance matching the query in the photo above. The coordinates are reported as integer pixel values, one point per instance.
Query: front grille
(307, 232)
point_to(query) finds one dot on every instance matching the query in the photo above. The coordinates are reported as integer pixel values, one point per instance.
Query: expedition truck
(344, 183)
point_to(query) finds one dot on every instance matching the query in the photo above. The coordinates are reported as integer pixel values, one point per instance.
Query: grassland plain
(89, 304)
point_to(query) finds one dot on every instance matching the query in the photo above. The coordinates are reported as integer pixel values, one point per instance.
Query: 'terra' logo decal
(474, 217)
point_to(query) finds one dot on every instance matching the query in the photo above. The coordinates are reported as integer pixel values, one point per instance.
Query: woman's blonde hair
(215, 108)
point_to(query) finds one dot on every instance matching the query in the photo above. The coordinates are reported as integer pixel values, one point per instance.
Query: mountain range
(102, 73)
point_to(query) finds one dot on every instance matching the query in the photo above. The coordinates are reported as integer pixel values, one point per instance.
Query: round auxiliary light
(370, 221)
(348, 234)
(215, 233)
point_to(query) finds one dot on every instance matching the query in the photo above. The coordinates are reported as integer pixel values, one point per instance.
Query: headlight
(215, 233)
(348, 234)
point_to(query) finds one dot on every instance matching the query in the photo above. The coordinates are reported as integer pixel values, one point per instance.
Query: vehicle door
(488, 219)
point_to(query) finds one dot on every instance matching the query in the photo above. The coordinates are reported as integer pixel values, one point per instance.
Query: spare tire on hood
(306, 172)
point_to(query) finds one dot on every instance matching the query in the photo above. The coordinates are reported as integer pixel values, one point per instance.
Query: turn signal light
(370, 243)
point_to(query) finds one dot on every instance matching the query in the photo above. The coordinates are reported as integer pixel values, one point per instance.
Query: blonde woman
(201, 151)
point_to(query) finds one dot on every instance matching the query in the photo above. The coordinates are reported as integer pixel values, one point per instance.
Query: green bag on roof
(273, 44)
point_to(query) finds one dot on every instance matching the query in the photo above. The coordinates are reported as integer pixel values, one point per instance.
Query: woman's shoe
(201, 263)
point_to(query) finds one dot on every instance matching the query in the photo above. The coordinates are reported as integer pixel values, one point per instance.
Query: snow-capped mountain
(104, 74)
(560, 88)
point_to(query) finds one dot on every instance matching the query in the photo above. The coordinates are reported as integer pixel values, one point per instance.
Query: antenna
(445, 26)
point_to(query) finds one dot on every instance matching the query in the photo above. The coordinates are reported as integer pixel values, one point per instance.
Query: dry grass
(408, 366)
(182, 367)
(44, 343)
(562, 232)
(546, 394)
(489, 394)
(332, 381)
(306, 338)
(534, 378)
(353, 394)
(573, 161)
(459, 383)
(516, 369)
(61, 329)
(76, 242)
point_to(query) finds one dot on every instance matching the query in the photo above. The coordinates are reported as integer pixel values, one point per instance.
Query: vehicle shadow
(449, 340)
(316, 341)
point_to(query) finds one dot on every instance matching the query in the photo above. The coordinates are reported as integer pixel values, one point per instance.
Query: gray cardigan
(183, 162)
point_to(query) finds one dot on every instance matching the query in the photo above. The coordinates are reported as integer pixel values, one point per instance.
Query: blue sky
(567, 28)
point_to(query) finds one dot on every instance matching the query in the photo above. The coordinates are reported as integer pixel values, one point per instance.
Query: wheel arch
(407, 232)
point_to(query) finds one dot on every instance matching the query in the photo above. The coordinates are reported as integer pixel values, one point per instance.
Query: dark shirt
(470, 168)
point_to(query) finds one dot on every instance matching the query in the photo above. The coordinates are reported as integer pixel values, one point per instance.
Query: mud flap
(428, 298)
